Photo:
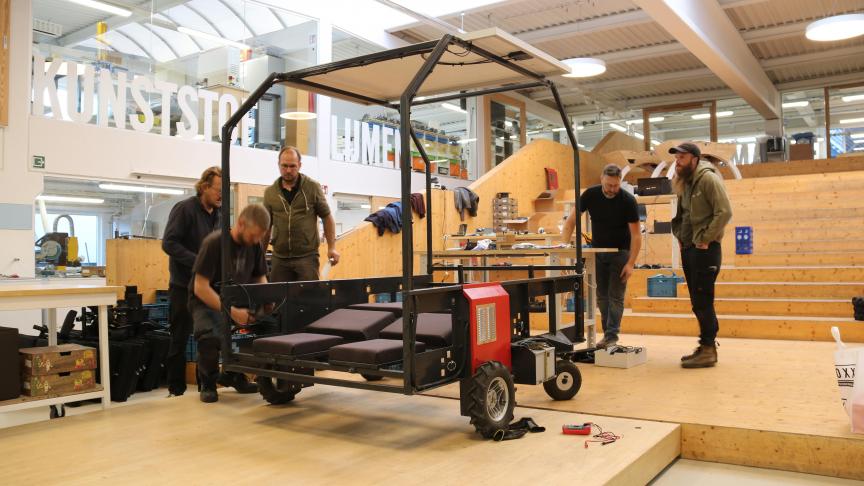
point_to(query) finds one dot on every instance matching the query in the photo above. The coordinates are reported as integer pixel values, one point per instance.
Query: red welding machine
(489, 308)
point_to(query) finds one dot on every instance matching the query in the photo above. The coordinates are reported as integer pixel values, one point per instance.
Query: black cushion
(394, 307)
(373, 352)
(434, 330)
(352, 324)
(296, 344)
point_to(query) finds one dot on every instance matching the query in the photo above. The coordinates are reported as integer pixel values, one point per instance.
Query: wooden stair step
(751, 327)
(843, 244)
(793, 259)
(768, 273)
(749, 306)
(814, 290)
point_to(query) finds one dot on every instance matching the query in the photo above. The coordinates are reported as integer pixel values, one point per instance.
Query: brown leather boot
(693, 354)
(706, 357)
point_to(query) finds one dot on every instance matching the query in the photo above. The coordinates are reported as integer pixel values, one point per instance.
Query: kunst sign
(104, 94)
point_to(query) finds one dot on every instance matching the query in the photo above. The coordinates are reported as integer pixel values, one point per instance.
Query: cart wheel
(567, 382)
(492, 397)
(277, 391)
(371, 377)
(57, 412)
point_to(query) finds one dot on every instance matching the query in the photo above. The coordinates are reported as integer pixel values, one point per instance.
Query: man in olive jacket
(703, 212)
(295, 202)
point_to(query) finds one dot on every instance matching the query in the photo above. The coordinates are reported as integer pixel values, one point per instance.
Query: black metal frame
(414, 300)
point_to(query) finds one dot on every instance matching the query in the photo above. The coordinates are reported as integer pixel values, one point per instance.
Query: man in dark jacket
(295, 202)
(702, 214)
(189, 222)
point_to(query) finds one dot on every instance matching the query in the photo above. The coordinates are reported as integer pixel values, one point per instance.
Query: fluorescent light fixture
(580, 145)
(858, 149)
(655, 142)
(653, 119)
(584, 67)
(746, 140)
(580, 127)
(847, 99)
(507, 123)
(846, 121)
(532, 132)
(365, 206)
(618, 127)
(105, 7)
(513, 137)
(466, 140)
(559, 129)
(81, 200)
(147, 189)
(639, 135)
(298, 115)
(796, 104)
(820, 139)
(212, 37)
(426, 145)
(835, 28)
(451, 106)
(856, 135)
(705, 116)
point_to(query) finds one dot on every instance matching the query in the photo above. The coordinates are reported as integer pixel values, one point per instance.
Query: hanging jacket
(389, 218)
(465, 199)
(418, 204)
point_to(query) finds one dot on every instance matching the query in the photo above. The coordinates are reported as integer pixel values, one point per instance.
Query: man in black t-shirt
(247, 258)
(614, 224)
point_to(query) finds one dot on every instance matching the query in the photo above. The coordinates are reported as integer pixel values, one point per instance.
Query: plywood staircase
(807, 264)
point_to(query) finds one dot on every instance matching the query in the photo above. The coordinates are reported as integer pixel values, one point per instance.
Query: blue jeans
(610, 290)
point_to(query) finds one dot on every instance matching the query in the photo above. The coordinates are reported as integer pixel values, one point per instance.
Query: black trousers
(701, 268)
(181, 329)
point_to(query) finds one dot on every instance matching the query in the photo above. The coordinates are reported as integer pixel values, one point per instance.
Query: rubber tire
(570, 373)
(276, 391)
(371, 377)
(486, 375)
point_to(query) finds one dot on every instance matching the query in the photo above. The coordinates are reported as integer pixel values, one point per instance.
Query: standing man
(703, 212)
(614, 224)
(247, 258)
(189, 222)
(295, 202)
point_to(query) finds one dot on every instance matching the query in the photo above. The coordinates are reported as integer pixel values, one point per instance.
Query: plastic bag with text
(846, 361)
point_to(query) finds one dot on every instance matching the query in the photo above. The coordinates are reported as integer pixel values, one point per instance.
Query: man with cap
(615, 224)
(702, 214)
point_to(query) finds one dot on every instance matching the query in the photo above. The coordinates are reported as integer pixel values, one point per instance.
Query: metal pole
(407, 233)
(419, 144)
(580, 267)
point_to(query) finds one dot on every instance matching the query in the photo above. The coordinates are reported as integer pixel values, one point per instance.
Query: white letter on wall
(386, 133)
(355, 141)
(139, 84)
(208, 97)
(44, 79)
(86, 112)
(110, 98)
(165, 91)
(186, 98)
(227, 106)
(334, 141)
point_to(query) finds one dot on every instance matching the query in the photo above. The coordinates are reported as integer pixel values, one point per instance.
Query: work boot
(607, 342)
(705, 357)
(693, 354)
(209, 395)
(239, 382)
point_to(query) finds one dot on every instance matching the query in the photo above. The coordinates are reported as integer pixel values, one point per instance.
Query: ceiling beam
(138, 15)
(706, 31)
(606, 22)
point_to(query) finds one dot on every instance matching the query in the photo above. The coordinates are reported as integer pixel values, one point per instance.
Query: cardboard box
(58, 384)
(50, 360)
(620, 356)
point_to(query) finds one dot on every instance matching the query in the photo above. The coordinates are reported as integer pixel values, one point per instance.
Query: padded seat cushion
(296, 344)
(394, 307)
(373, 352)
(434, 330)
(352, 324)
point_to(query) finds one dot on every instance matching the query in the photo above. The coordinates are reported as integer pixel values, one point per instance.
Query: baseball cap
(686, 147)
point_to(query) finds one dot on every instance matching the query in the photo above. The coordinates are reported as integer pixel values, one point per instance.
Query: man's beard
(682, 179)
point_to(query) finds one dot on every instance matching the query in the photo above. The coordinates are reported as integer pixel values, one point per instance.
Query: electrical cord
(602, 437)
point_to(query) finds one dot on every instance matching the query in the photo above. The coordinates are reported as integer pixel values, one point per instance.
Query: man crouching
(247, 259)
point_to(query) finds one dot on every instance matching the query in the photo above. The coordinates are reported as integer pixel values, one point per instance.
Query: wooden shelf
(23, 403)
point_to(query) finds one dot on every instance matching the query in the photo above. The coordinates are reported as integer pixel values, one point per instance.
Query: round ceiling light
(584, 67)
(835, 28)
(298, 115)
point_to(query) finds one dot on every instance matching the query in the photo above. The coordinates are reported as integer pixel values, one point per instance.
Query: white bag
(845, 361)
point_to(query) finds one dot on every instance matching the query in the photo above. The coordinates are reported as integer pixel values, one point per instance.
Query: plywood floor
(327, 436)
(762, 395)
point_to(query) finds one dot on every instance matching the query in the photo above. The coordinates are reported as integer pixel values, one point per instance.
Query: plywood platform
(772, 404)
(326, 436)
